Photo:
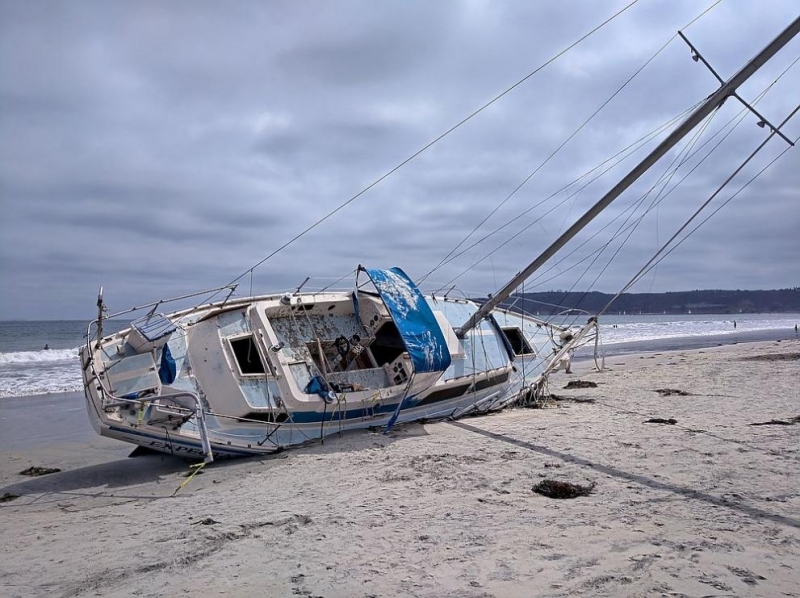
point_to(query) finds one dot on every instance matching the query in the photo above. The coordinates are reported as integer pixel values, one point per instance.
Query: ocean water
(26, 368)
(657, 327)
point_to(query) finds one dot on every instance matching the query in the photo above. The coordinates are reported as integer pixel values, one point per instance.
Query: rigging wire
(631, 149)
(738, 120)
(740, 117)
(445, 259)
(338, 280)
(667, 177)
(539, 279)
(437, 139)
(663, 248)
(527, 227)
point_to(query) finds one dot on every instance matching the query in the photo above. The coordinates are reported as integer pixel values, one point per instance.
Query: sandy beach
(706, 506)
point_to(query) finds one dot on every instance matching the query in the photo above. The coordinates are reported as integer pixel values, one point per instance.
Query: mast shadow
(111, 479)
(690, 493)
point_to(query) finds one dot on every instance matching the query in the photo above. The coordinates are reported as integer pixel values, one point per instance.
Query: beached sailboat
(248, 376)
(245, 376)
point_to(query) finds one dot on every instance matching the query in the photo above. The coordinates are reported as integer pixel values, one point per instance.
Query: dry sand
(709, 506)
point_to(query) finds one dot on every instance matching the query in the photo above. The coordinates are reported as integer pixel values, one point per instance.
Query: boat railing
(97, 324)
(109, 400)
(155, 304)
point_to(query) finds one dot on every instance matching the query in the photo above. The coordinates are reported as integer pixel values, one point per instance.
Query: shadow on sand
(122, 473)
(650, 482)
(112, 478)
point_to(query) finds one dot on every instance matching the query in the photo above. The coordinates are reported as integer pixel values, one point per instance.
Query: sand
(708, 506)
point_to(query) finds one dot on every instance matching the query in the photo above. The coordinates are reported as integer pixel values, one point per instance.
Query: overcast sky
(158, 148)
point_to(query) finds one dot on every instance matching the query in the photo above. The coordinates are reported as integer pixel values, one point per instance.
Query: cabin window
(247, 356)
(517, 340)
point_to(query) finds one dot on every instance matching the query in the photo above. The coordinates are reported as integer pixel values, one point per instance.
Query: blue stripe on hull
(310, 417)
(353, 419)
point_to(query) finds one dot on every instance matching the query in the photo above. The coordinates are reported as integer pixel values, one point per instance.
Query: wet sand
(707, 506)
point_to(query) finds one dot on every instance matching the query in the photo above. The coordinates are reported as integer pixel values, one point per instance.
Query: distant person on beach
(46, 346)
(795, 327)
(734, 323)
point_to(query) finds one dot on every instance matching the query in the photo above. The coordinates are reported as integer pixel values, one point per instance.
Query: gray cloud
(157, 149)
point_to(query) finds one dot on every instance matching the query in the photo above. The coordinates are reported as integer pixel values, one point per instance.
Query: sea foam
(42, 357)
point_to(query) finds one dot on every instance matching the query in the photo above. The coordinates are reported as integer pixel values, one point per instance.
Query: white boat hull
(262, 374)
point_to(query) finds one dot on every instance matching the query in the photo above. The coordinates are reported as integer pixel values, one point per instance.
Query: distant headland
(683, 302)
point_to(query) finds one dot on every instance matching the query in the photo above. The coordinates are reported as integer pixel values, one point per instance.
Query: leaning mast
(727, 89)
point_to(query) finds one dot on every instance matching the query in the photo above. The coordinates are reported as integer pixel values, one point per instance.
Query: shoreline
(677, 343)
(705, 506)
(689, 343)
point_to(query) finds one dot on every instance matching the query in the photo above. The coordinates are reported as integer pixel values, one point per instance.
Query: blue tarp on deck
(414, 319)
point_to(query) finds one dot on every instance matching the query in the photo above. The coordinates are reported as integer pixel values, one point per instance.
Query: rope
(290, 417)
(195, 469)
(168, 442)
(396, 414)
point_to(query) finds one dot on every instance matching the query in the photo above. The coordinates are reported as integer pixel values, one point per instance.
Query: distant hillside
(695, 302)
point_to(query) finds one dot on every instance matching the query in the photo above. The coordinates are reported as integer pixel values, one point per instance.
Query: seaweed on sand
(556, 489)
(35, 471)
(660, 420)
(581, 384)
(779, 422)
(773, 357)
(668, 392)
